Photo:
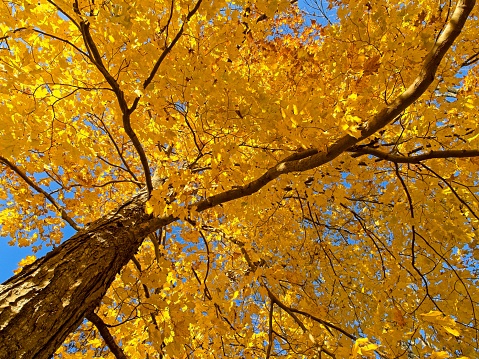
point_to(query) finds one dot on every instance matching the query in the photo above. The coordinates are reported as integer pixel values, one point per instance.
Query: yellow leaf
(473, 138)
(295, 109)
(95, 342)
(439, 355)
(432, 314)
(24, 262)
(372, 65)
(469, 104)
(452, 331)
(368, 349)
(148, 208)
(362, 341)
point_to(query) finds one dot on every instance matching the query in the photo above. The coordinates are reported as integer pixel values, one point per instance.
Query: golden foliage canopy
(319, 161)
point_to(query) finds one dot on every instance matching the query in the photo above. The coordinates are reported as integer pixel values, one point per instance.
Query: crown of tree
(241, 179)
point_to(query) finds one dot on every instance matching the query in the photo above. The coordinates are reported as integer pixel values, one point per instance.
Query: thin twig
(413, 240)
(452, 190)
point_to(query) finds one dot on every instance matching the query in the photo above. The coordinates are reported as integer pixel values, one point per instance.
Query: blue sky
(10, 256)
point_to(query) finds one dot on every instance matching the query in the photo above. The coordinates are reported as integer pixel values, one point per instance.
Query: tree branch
(62, 40)
(425, 77)
(452, 190)
(64, 13)
(95, 57)
(169, 47)
(275, 300)
(37, 188)
(270, 330)
(413, 240)
(120, 154)
(165, 52)
(315, 158)
(107, 337)
(414, 159)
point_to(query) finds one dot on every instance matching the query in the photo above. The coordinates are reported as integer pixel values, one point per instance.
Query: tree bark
(45, 302)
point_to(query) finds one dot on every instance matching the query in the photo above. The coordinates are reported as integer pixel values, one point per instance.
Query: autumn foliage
(312, 169)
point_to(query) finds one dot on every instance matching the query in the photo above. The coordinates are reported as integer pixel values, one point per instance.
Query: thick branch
(37, 188)
(314, 158)
(96, 59)
(415, 159)
(107, 337)
(412, 93)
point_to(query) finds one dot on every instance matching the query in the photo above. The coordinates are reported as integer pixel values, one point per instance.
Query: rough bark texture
(44, 303)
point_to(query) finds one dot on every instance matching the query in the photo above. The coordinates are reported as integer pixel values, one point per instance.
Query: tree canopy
(272, 179)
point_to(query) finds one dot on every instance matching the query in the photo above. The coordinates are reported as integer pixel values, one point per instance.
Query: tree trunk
(48, 300)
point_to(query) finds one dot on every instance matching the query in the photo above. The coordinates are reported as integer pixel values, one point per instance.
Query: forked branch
(95, 58)
(314, 158)
(165, 52)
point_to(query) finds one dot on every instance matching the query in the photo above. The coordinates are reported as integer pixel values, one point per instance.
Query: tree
(245, 179)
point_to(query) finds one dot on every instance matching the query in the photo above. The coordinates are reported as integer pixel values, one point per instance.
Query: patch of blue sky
(10, 255)
(319, 11)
